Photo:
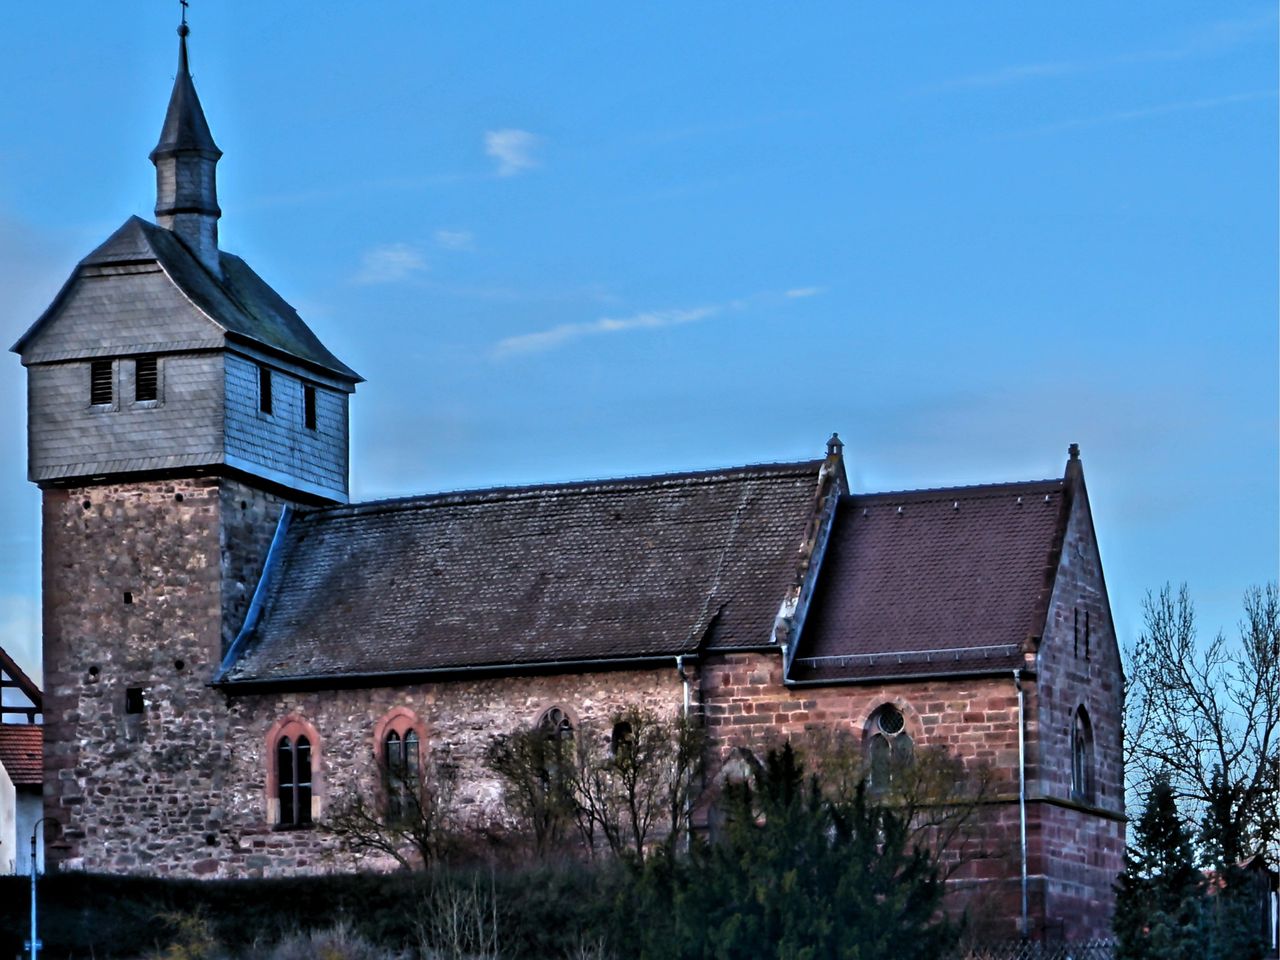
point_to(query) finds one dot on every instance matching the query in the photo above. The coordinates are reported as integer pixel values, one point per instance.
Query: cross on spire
(185, 4)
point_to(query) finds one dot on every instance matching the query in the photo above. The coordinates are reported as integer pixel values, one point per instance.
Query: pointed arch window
(889, 747)
(556, 727)
(1082, 779)
(398, 742)
(294, 787)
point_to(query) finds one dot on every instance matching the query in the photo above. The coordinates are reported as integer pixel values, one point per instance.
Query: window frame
(886, 750)
(291, 728)
(96, 367)
(1083, 773)
(400, 723)
(156, 392)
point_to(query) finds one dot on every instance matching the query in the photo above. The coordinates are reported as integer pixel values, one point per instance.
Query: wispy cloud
(455, 239)
(390, 263)
(1143, 113)
(798, 293)
(566, 332)
(513, 149)
(1212, 39)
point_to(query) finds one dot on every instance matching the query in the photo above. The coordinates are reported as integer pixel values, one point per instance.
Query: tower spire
(186, 159)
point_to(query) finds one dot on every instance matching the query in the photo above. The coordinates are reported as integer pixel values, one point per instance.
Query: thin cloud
(566, 332)
(455, 240)
(1213, 39)
(1143, 113)
(513, 149)
(390, 263)
(797, 293)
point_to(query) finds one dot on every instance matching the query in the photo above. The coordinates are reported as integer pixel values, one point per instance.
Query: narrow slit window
(133, 702)
(100, 392)
(146, 381)
(309, 406)
(264, 389)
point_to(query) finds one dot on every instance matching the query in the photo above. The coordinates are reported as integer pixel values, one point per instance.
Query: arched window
(402, 773)
(556, 728)
(293, 773)
(556, 725)
(888, 747)
(1082, 757)
(293, 780)
(398, 740)
(623, 738)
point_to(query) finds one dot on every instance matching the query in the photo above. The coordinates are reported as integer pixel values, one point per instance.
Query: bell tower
(176, 404)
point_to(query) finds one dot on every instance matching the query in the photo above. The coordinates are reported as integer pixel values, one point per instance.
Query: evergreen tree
(797, 876)
(1160, 895)
(1231, 930)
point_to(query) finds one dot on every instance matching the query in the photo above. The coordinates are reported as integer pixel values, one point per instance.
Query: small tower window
(264, 389)
(100, 383)
(146, 379)
(309, 406)
(1082, 758)
(133, 702)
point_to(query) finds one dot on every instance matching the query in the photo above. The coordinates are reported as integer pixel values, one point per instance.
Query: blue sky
(577, 240)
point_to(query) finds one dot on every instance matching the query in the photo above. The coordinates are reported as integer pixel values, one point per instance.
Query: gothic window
(397, 746)
(294, 788)
(557, 733)
(623, 738)
(888, 747)
(293, 780)
(1082, 757)
(401, 770)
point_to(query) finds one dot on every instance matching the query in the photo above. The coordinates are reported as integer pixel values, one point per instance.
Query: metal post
(34, 833)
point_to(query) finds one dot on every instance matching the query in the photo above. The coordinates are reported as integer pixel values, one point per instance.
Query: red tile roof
(20, 753)
(933, 581)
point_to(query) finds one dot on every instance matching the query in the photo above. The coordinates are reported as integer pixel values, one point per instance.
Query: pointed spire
(185, 159)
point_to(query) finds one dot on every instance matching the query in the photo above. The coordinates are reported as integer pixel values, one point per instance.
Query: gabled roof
(12, 676)
(928, 582)
(21, 746)
(239, 303)
(618, 570)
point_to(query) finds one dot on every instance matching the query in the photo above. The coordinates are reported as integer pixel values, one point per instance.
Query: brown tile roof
(609, 570)
(933, 581)
(20, 753)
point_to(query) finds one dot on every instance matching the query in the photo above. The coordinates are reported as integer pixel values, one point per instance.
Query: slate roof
(21, 746)
(240, 302)
(185, 127)
(928, 582)
(611, 570)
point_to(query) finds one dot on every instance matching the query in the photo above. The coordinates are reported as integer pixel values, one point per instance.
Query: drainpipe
(1022, 796)
(684, 680)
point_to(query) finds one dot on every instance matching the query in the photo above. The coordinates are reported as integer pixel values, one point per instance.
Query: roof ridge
(525, 491)
(966, 491)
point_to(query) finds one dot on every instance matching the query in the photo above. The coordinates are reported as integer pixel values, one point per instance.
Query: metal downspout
(1022, 797)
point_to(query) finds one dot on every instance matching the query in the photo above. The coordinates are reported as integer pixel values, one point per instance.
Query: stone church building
(230, 645)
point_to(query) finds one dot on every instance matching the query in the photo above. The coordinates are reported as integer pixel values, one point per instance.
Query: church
(230, 645)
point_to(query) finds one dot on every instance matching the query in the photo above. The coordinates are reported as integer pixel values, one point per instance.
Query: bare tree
(536, 769)
(1208, 717)
(410, 816)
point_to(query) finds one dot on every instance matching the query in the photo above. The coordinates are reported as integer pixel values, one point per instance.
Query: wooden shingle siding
(69, 437)
(121, 314)
(280, 441)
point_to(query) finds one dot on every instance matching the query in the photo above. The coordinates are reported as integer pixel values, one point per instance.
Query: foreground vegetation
(798, 872)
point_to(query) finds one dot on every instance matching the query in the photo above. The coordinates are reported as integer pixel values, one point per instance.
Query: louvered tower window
(146, 379)
(100, 392)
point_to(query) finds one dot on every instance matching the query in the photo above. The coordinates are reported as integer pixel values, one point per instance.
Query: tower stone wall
(142, 582)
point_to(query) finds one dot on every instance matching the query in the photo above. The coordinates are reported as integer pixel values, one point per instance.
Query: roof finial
(183, 29)
(835, 445)
(1073, 451)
